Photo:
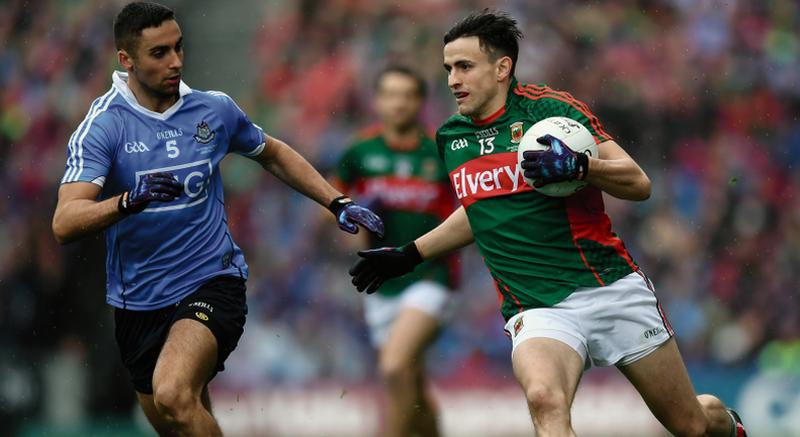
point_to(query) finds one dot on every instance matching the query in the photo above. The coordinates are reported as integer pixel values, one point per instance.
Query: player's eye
(179, 47)
(158, 54)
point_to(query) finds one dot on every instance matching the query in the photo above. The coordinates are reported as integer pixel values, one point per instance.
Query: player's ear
(503, 68)
(125, 59)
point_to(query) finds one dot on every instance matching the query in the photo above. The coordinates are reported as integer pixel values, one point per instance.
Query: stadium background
(704, 94)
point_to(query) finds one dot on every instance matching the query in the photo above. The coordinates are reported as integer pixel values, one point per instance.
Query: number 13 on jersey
(487, 145)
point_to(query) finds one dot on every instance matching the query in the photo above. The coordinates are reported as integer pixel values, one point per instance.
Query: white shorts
(612, 325)
(380, 311)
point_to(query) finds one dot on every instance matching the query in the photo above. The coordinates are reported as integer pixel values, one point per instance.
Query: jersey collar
(119, 80)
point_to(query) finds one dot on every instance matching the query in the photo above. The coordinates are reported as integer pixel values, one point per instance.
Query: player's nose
(453, 81)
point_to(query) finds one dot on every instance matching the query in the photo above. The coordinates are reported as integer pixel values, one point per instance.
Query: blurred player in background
(396, 168)
(570, 292)
(144, 167)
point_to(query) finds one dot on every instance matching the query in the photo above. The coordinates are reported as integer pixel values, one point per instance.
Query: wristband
(122, 204)
(338, 203)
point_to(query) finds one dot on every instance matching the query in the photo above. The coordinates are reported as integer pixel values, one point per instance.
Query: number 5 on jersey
(172, 149)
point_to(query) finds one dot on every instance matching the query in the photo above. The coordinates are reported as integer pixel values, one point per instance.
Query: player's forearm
(291, 168)
(453, 233)
(621, 178)
(80, 217)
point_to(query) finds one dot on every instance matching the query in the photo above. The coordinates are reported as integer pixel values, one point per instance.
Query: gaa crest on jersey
(518, 325)
(204, 133)
(516, 132)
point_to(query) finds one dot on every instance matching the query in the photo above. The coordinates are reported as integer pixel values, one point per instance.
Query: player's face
(158, 61)
(398, 101)
(472, 77)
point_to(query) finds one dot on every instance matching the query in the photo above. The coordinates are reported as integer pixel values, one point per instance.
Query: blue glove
(556, 164)
(159, 187)
(349, 215)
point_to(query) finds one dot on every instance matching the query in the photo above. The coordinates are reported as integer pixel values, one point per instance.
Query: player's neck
(402, 137)
(150, 100)
(495, 104)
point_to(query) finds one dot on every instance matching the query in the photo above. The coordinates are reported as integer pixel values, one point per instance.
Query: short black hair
(422, 87)
(497, 33)
(134, 18)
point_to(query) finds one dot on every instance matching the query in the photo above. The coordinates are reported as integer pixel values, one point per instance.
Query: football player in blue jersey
(143, 166)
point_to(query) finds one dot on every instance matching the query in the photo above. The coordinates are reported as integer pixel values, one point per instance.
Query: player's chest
(160, 144)
(469, 143)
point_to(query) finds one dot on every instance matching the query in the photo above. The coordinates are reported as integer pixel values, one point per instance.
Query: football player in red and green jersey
(396, 169)
(570, 292)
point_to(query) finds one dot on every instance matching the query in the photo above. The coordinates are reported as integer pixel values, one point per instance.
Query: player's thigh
(188, 358)
(546, 367)
(663, 382)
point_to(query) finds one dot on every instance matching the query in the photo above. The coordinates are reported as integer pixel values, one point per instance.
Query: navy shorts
(219, 304)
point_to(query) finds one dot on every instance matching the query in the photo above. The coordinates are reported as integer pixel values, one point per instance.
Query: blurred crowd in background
(705, 95)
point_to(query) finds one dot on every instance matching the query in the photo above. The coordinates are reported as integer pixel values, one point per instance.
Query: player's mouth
(461, 96)
(173, 80)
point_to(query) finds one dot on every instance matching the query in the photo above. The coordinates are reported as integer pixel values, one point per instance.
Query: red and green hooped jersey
(411, 193)
(538, 249)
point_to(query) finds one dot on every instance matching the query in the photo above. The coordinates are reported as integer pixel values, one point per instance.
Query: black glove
(378, 265)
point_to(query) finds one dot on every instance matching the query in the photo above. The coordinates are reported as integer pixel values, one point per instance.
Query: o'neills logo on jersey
(488, 176)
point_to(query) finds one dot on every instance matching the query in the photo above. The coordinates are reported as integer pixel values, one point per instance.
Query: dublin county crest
(204, 133)
(516, 132)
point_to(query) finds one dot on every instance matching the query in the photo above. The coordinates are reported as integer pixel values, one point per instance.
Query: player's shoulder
(211, 97)
(367, 138)
(537, 95)
(104, 112)
(455, 123)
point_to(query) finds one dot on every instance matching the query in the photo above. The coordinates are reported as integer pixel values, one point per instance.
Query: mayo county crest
(204, 133)
(516, 132)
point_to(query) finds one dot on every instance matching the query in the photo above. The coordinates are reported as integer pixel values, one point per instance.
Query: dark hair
(134, 18)
(422, 87)
(497, 33)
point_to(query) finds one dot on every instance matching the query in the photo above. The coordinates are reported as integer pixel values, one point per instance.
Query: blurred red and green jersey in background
(409, 189)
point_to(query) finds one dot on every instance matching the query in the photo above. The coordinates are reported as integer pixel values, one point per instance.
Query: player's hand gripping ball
(553, 155)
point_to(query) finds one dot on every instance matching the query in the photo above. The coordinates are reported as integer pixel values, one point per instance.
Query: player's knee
(544, 398)
(174, 401)
(396, 372)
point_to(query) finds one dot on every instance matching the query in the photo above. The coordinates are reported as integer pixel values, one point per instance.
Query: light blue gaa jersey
(157, 257)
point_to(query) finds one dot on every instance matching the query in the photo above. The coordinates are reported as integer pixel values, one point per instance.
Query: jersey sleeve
(578, 111)
(90, 150)
(246, 138)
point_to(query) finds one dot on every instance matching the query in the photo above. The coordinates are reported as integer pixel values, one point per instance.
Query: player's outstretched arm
(378, 265)
(291, 168)
(616, 173)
